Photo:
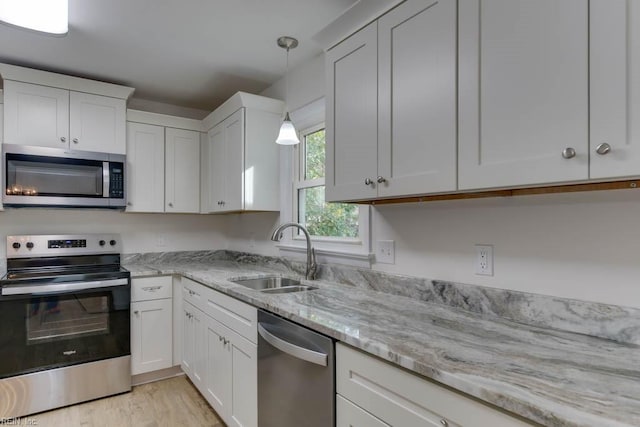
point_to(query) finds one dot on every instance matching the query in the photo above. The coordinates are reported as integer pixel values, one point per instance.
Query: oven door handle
(57, 288)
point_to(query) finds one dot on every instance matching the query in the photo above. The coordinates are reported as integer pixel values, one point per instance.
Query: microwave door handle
(106, 179)
(57, 288)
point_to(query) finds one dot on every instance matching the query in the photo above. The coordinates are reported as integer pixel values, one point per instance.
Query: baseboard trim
(161, 374)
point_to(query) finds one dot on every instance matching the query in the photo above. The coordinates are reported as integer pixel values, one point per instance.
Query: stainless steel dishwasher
(296, 375)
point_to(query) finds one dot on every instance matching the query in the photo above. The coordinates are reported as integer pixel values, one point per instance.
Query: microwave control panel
(116, 174)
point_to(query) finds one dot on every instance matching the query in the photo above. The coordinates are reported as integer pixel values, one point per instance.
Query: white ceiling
(192, 53)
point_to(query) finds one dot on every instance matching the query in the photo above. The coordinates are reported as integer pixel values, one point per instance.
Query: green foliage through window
(327, 219)
(321, 218)
(314, 155)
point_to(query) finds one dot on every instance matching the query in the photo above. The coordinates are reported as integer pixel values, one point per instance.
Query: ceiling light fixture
(288, 134)
(45, 16)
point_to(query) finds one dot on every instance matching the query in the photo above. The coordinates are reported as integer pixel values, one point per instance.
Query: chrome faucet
(310, 274)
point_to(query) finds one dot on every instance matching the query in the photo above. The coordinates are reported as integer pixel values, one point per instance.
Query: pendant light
(288, 134)
(45, 16)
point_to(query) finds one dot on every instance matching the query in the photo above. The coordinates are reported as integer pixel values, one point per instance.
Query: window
(338, 221)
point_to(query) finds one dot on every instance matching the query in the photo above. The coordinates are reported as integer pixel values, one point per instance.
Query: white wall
(140, 232)
(584, 246)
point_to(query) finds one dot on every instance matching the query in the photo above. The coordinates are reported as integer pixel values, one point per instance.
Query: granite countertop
(552, 377)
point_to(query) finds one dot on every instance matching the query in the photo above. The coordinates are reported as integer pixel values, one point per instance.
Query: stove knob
(112, 242)
(16, 245)
(29, 245)
(102, 242)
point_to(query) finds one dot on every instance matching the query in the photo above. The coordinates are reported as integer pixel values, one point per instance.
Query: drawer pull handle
(444, 423)
(151, 288)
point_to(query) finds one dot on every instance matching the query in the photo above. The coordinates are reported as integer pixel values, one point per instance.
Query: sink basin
(274, 285)
(289, 289)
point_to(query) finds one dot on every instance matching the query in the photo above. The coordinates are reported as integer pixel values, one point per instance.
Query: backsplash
(616, 323)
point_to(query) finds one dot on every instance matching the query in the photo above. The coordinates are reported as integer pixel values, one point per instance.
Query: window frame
(299, 183)
(346, 250)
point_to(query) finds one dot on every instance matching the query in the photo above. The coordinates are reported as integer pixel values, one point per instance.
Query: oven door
(50, 325)
(41, 176)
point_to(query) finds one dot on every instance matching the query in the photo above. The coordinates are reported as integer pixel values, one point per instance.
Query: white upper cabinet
(352, 111)
(36, 115)
(53, 110)
(227, 165)
(523, 92)
(242, 167)
(97, 123)
(145, 168)
(417, 98)
(399, 73)
(182, 162)
(615, 88)
(163, 163)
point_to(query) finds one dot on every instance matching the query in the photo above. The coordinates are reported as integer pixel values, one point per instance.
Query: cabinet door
(36, 115)
(188, 340)
(234, 160)
(218, 376)
(615, 88)
(350, 415)
(352, 114)
(145, 168)
(217, 167)
(523, 92)
(417, 147)
(244, 382)
(182, 184)
(199, 321)
(151, 343)
(97, 123)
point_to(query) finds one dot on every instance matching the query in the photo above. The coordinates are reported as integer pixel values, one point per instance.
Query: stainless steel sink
(274, 285)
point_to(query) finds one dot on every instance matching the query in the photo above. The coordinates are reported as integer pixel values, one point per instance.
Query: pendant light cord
(286, 83)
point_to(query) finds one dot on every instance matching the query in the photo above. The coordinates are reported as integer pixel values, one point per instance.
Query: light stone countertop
(552, 377)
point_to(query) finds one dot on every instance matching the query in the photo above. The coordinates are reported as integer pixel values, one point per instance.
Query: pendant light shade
(288, 134)
(46, 16)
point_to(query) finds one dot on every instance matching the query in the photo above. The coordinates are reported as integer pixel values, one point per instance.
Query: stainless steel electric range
(64, 322)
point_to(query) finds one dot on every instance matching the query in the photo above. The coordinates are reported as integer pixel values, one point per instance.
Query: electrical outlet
(386, 253)
(484, 260)
(161, 240)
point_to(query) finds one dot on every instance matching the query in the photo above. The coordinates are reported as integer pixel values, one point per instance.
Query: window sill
(330, 256)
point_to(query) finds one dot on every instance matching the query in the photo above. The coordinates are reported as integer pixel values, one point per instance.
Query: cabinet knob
(75, 140)
(129, 204)
(603, 149)
(63, 139)
(368, 181)
(170, 204)
(444, 423)
(136, 312)
(568, 153)
(381, 179)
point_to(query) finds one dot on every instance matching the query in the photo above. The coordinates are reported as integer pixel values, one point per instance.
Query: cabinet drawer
(151, 288)
(236, 315)
(350, 415)
(402, 399)
(192, 292)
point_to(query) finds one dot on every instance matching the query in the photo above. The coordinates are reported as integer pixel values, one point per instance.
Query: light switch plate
(386, 253)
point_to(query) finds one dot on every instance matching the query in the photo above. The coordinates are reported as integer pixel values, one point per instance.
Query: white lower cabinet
(394, 397)
(220, 356)
(350, 415)
(151, 324)
(193, 349)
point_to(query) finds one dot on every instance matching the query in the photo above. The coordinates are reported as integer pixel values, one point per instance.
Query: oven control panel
(62, 245)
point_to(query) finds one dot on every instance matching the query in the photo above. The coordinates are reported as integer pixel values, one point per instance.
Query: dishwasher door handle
(292, 349)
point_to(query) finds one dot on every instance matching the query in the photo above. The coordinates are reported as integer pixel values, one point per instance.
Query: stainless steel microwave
(42, 177)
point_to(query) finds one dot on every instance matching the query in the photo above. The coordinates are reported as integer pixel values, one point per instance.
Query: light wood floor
(171, 402)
